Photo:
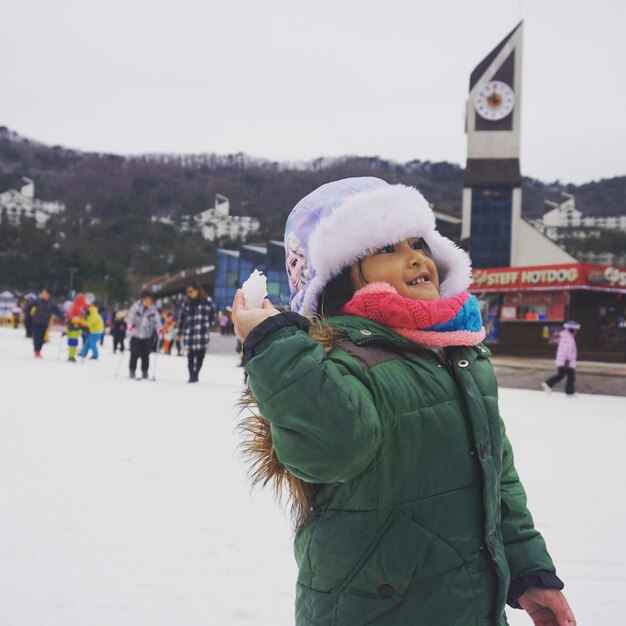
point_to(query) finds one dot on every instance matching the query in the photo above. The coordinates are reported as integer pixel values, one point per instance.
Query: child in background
(118, 332)
(381, 421)
(94, 323)
(168, 333)
(223, 321)
(144, 322)
(73, 332)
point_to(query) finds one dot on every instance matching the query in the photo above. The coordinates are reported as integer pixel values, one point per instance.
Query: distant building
(17, 205)
(277, 279)
(226, 277)
(565, 220)
(217, 223)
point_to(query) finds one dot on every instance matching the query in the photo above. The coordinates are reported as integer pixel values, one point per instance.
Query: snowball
(254, 290)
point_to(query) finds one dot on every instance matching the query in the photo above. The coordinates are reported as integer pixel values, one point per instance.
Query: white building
(19, 205)
(564, 219)
(217, 222)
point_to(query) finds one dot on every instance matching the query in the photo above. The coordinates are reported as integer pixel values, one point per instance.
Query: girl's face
(405, 265)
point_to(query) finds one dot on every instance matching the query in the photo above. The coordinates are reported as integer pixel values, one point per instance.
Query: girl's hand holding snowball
(246, 319)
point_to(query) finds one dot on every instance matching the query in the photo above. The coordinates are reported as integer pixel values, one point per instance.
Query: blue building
(234, 267)
(226, 277)
(277, 281)
(251, 258)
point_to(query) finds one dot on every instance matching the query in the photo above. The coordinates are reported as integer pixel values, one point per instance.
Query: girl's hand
(547, 607)
(245, 320)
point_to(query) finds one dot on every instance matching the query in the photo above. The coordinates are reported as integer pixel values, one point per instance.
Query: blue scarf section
(468, 318)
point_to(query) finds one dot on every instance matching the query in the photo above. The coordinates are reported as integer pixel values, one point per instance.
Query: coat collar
(361, 331)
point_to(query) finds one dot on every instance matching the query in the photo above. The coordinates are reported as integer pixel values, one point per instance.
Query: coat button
(366, 332)
(463, 363)
(386, 591)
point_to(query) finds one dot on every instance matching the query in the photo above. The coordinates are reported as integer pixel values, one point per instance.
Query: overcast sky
(290, 80)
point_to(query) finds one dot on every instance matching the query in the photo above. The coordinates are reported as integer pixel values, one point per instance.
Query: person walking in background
(168, 333)
(223, 321)
(41, 311)
(29, 302)
(94, 323)
(118, 331)
(194, 325)
(566, 354)
(143, 322)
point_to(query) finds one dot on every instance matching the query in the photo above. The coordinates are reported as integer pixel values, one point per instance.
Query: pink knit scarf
(432, 324)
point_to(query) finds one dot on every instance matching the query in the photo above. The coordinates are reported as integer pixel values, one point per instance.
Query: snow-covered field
(125, 502)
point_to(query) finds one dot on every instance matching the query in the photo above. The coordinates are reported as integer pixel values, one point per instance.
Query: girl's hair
(257, 444)
(201, 293)
(337, 293)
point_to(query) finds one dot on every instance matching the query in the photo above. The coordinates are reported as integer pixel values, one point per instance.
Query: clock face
(494, 101)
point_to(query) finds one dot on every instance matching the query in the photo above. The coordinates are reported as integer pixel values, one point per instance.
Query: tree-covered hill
(114, 185)
(111, 198)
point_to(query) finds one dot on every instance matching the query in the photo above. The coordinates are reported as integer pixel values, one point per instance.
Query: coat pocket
(400, 552)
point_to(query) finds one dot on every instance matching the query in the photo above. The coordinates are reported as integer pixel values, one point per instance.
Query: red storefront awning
(605, 278)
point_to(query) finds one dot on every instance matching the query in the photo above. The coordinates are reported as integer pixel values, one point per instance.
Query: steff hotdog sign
(550, 277)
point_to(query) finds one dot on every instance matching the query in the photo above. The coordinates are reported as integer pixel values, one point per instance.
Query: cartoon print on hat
(302, 222)
(345, 220)
(297, 269)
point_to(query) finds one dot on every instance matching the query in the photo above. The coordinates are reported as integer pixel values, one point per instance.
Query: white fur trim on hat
(372, 219)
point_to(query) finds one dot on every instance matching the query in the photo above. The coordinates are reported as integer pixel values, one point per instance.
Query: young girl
(381, 419)
(118, 331)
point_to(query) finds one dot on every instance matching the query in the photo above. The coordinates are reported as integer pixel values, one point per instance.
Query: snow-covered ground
(125, 502)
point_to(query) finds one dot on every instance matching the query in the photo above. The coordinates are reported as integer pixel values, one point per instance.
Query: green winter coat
(420, 517)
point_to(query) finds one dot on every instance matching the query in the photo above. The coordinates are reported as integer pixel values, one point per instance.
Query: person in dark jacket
(381, 421)
(118, 331)
(194, 326)
(41, 312)
(144, 322)
(28, 319)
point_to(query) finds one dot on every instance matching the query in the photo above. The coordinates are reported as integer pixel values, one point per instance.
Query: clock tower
(492, 190)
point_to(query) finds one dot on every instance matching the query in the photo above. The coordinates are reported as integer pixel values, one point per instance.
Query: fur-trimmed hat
(343, 221)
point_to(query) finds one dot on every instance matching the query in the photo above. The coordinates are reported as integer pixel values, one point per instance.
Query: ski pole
(153, 378)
